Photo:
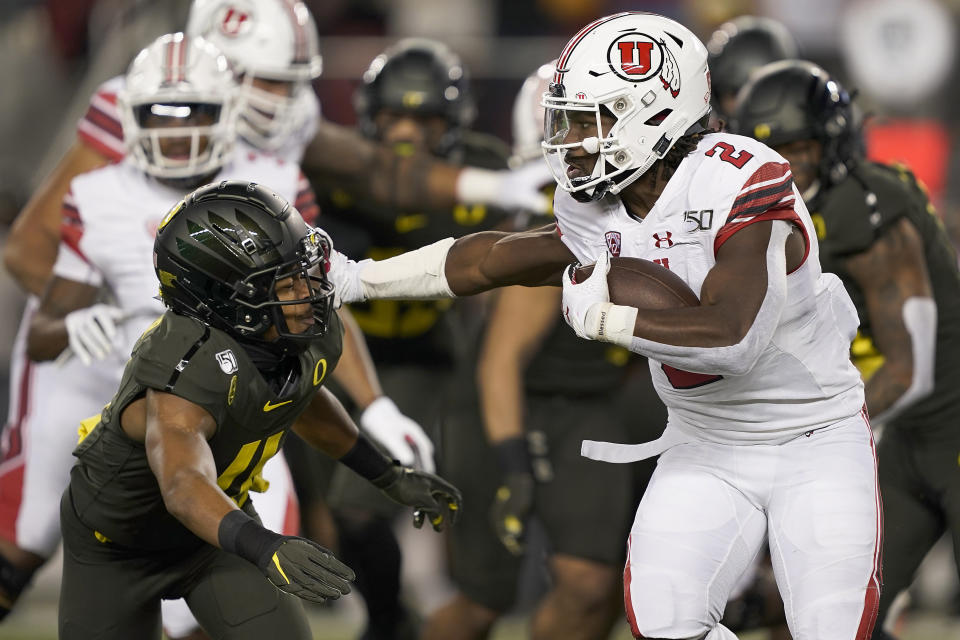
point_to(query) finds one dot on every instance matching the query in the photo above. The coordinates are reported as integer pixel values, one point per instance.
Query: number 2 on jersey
(726, 154)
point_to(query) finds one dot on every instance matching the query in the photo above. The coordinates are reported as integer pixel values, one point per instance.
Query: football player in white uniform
(766, 435)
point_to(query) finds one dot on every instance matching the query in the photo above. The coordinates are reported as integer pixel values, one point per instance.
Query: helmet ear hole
(658, 118)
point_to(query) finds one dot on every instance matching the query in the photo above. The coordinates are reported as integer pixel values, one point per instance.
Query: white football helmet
(270, 39)
(528, 114)
(173, 81)
(648, 72)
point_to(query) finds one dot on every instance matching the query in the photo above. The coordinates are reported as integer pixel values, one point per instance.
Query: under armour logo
(665, 242)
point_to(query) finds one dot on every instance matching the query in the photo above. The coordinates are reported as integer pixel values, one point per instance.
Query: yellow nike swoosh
(271, 407)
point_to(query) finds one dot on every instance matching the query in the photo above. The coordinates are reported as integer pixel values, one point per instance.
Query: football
(643, 284)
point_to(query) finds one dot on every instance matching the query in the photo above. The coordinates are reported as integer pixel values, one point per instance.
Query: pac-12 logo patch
(613, 243)
(227, 361)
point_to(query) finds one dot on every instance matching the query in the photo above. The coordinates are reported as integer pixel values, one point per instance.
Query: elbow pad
(414, 275)
(920, 319)
(736, 359)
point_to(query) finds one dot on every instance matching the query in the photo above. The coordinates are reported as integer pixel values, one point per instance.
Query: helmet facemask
(204, 138)
(268, 119)
(260, 308)
(619, 163)
(178, 110)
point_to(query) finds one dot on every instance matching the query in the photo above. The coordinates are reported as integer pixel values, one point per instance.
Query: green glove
(429, 495)
(305, 569)
(511, 509)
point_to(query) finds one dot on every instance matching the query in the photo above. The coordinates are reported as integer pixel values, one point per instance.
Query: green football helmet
(220, 252)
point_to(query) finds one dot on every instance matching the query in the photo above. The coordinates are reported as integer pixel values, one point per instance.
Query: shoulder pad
(183, 356)
(851, 215)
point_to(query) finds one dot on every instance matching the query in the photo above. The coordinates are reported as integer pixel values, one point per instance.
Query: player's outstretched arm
(341, 155)
(31, 246)
(740, 304)
(175, 433)
(326, 425)
(472, 264)
(520, 321)
(892, 274)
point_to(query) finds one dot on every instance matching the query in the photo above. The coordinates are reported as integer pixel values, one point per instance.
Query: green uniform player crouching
(157, 505)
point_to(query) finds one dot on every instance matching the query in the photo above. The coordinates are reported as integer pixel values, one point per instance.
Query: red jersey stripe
(777, 213)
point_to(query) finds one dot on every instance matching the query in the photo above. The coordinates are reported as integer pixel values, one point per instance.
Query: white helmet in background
(647, 71)
(528, 114)
(179, 93)
(269, 39)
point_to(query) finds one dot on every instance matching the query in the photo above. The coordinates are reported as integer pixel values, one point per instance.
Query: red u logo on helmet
(635, 57)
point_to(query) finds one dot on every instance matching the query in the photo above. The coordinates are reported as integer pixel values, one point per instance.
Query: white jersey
(804, 379)
(100, 127)
(110, 220)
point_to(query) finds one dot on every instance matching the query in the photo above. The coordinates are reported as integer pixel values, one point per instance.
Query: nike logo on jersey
(270, 407)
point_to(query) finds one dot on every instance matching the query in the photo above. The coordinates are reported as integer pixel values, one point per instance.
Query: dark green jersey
(398, 331)
(849, 219)
(113, 489)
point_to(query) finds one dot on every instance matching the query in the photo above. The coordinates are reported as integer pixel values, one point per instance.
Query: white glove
(588, 310)
(508, 189)
(93, 330)
(344, 273)
(403, 438)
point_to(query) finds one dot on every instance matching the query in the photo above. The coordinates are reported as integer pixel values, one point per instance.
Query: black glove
(295, 565)
(511, 508)
(307, 570)
(429, 495)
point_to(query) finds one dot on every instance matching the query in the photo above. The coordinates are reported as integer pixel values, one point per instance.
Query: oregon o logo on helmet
(234, 21)
(635, 56)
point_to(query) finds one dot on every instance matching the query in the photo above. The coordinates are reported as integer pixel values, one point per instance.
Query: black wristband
(365, 459)
(240, 534)
(513, 456)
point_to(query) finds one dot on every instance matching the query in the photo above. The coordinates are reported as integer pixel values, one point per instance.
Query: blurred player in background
(739, 464)
(738, 47)
(415, 99)
(522, 460)
(880, 234)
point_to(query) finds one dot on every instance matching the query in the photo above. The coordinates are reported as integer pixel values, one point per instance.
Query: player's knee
(584, 585)
(668, 606)
(461, 618)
